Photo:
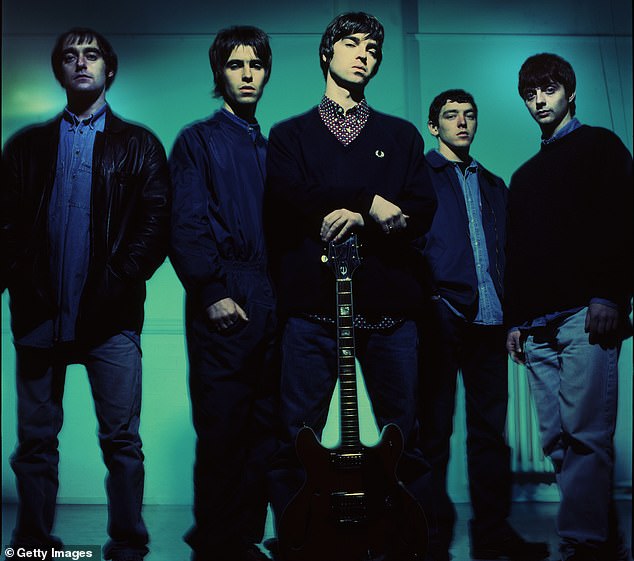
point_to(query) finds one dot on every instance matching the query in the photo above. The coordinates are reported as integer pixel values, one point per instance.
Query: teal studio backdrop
(164, 82)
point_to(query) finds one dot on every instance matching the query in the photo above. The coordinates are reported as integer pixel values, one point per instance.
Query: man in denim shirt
(84, 223)
(568, 284)
(461, 329)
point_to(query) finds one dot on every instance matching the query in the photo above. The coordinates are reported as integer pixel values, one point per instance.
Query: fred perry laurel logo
(379, 154)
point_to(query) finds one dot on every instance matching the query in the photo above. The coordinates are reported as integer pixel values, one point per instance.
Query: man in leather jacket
(84, 223)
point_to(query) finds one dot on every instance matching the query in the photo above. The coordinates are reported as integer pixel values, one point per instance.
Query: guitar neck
(349, 408)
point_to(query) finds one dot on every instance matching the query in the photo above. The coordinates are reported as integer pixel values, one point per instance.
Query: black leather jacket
(129, 227)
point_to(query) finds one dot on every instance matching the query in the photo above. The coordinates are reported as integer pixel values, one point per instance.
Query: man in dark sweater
(461, 329)
(568, 291)
(218, 251)
(343, 167)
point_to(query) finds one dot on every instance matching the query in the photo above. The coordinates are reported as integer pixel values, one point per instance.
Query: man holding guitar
(339, 168)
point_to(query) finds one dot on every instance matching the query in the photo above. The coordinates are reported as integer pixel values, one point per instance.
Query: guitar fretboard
(349, 408)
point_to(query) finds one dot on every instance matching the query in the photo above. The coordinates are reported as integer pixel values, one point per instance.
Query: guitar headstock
(343, 257)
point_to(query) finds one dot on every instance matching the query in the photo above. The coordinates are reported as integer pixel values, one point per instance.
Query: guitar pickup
(348, 508)
(346, 460)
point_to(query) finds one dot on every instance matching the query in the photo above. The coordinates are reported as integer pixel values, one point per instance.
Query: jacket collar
(113, 123)
(233, 119)
(438, 161)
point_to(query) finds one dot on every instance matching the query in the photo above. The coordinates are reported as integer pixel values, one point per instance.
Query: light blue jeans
(574, 386)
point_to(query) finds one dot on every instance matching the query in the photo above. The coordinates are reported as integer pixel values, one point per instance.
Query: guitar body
(352, 507)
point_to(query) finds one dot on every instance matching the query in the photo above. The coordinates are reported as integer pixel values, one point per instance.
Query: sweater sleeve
(610, 253)
(417, 198)
(193, 251)
(9, 212)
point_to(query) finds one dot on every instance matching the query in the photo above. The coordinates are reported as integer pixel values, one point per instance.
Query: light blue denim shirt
(69, 215)
(489, 305)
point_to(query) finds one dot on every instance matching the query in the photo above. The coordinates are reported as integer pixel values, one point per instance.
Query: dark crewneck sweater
(570, 226)
(310, 174)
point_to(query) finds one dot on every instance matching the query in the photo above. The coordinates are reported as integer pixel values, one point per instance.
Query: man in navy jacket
(218, 252)
(461, 329)
(344, 167)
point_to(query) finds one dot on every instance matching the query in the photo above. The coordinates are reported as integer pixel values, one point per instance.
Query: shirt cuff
(605, 302)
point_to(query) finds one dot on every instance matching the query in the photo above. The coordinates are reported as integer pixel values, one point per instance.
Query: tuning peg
(324, 259)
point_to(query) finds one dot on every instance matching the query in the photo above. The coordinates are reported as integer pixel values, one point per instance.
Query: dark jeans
(309, 373)
(449, 344)
(233, 379)
(114, 372)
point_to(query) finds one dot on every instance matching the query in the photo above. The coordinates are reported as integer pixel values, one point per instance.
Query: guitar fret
(349, 408)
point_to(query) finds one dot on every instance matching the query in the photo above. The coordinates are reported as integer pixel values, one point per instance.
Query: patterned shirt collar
(345, 125)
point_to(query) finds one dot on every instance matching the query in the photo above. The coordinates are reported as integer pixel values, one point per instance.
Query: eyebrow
(372, 44)
(72, 49)
(242, 61)
(543, 85)
(451, 111)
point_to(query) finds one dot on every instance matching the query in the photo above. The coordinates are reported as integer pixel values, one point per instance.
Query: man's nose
(247, 75)
(81, 61)
(539, 97)
(462, 122)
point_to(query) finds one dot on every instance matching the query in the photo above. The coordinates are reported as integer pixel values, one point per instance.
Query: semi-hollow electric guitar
(352, 507)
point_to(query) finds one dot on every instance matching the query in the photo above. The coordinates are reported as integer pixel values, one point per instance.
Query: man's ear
(433, 129)
(572, 97)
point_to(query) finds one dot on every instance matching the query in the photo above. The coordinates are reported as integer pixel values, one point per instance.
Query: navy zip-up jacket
(217, 168)
(447, 250)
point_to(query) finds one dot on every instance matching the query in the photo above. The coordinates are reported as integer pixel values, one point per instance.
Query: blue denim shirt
(489, 305)
(69, 216)
(69, 225)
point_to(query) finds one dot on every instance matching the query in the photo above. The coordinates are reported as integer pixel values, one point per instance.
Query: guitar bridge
(348, 508)
(346, 460)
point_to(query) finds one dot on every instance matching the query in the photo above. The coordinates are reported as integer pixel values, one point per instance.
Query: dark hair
(458, 96)
(543, 69)
(349, 24)
(84, 35)
(228, 39)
